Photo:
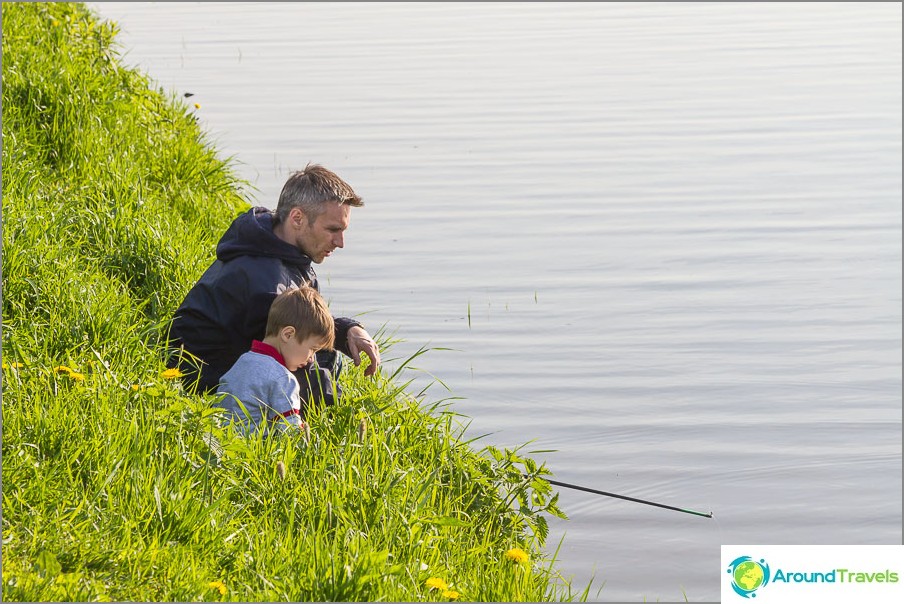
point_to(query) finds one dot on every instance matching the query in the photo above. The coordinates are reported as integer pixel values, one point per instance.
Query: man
(261, 255)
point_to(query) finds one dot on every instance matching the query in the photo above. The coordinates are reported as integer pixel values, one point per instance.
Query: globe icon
(748, 575)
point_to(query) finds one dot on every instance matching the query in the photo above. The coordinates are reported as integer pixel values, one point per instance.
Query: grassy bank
(116, 485)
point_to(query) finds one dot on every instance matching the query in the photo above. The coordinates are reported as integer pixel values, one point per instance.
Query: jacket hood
(251, 234)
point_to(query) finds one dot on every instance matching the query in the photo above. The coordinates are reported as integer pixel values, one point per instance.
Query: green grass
(117, 485)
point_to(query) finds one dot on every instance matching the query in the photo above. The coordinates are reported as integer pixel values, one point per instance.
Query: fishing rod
(626, 498)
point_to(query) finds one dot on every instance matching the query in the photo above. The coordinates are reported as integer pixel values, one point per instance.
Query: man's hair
(310, 189)
(305, 310)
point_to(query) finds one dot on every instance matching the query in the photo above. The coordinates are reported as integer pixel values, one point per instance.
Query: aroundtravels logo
(748, 575)
(830, 574)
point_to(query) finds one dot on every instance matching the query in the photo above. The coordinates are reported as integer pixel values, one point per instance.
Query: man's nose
(339, 240)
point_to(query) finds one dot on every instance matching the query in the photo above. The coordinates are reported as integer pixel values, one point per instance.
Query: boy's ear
(287, 333)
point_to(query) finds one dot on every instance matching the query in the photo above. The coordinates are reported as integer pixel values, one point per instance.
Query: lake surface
(662, 240)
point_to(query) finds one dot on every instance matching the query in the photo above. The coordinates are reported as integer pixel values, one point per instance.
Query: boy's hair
(305, 310)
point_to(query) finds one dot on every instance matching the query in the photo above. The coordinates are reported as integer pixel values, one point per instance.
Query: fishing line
(626, 498)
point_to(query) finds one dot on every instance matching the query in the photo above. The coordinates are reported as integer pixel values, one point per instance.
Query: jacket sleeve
(343, 324)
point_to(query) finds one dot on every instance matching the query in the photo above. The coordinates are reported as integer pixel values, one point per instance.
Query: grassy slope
(115, 485)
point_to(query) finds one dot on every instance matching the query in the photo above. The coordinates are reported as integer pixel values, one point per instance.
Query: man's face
(318, 240)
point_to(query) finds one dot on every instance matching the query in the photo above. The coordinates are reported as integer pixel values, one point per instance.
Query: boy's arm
(285, 400)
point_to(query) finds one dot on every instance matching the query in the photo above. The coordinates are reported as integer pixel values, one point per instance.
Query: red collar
(270, 351)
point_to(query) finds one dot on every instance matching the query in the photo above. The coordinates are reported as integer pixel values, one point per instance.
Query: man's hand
(360, 341)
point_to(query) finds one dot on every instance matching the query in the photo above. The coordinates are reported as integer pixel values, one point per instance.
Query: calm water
(662, 240)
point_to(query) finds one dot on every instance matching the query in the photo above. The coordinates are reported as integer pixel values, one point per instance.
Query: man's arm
(360, 341)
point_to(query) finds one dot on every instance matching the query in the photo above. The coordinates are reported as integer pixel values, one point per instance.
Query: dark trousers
(319, 381)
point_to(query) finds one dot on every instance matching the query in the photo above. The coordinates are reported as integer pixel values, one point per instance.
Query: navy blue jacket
(227, 308)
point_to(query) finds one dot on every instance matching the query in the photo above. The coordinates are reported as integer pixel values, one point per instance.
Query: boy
(261, 391)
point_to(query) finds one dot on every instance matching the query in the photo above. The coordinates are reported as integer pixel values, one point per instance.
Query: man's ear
(297, 217)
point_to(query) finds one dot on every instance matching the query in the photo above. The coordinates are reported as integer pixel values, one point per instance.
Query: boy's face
(298, 354)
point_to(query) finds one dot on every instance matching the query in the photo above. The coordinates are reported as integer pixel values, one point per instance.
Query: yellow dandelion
(78, 377)
(171, 374)
(516, 554)
(436, 583)
(13, 365)
(136, 387)
(197, 105)
(63, 369)
(452, 595)
(219, 586)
